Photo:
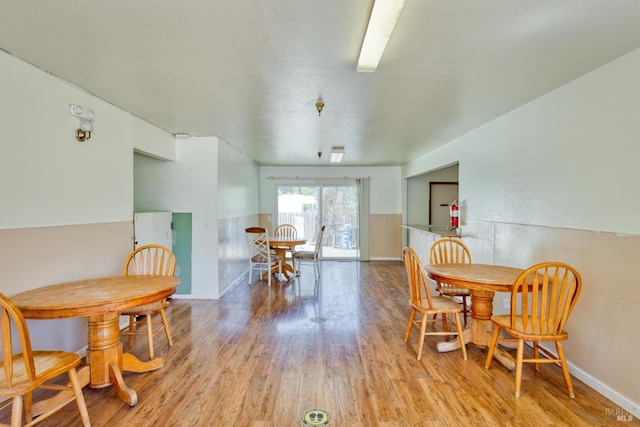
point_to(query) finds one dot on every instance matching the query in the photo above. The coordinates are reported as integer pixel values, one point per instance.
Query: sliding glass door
(308, 207)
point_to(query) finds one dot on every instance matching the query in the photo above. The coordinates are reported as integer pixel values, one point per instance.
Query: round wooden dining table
(101, 300)
(483, 281)
(281, 245)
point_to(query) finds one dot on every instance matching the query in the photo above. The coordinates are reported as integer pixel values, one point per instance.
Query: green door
(181, 224)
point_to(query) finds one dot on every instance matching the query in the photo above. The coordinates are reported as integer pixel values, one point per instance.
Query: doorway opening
(441, 194)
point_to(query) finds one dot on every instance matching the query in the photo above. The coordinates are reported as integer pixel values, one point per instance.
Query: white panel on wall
(153, 228)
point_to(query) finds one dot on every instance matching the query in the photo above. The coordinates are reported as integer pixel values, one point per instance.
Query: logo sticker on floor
(316, 417)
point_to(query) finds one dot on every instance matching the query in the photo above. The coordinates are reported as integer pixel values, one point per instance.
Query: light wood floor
(260, 357)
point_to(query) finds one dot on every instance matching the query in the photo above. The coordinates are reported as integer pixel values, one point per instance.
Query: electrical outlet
(506, 303)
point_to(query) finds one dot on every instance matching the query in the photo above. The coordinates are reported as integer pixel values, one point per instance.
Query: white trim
(602, 388)
(599, 386)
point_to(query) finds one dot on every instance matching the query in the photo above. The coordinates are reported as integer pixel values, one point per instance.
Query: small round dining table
(483, 281)
(101, 300)
(281, 245)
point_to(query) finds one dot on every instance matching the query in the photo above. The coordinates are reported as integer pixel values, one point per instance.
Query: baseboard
(602, 388)
(624, 402)
(385, 259)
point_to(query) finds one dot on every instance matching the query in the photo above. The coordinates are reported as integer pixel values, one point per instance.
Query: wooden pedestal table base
(479, 328)
(106, 360)
(281, 245)
(482, 281)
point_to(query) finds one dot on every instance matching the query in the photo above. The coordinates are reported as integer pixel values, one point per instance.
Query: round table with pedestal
(101, 300)
(483, 281)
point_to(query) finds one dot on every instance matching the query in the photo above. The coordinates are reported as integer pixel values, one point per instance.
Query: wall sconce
(337, 153)
(86, 117)
(319, 106)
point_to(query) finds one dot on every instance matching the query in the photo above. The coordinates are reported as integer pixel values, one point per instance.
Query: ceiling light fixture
(383, 19)
(337, 153)
(86, 116)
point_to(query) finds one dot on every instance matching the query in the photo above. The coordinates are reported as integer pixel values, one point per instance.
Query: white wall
(238, 208)
(66, 207)
(187, 185)
(575, 148)
(48, 177)
(558, 179)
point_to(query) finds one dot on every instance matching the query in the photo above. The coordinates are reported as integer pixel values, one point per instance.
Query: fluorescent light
(337, 153)
(383, 19)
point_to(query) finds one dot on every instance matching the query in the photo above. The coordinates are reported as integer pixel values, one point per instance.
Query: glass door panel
(307, 207)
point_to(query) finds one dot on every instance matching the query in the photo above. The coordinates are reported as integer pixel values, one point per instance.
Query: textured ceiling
(251, 71)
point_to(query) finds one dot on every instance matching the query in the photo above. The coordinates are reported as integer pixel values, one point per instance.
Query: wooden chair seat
(453, 291)
(143, 310)
(48, 365)
(22, 373)
(438, 305)
(261, 259)
(305, 254)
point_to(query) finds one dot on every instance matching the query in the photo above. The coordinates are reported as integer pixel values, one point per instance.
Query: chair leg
(16, 412)
(536, 355)
(465, 310)
(315, 268)
(460, 337)
(519, 362)
(565, 369)
(27, 405)
(423, 329)
(492, 346)
(410, 325)
(166, 326)
(132, 322)
(77, 390)
(445, 323)
(150, 336)
(250, 270)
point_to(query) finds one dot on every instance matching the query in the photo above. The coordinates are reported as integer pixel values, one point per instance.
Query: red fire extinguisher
(454, 213)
